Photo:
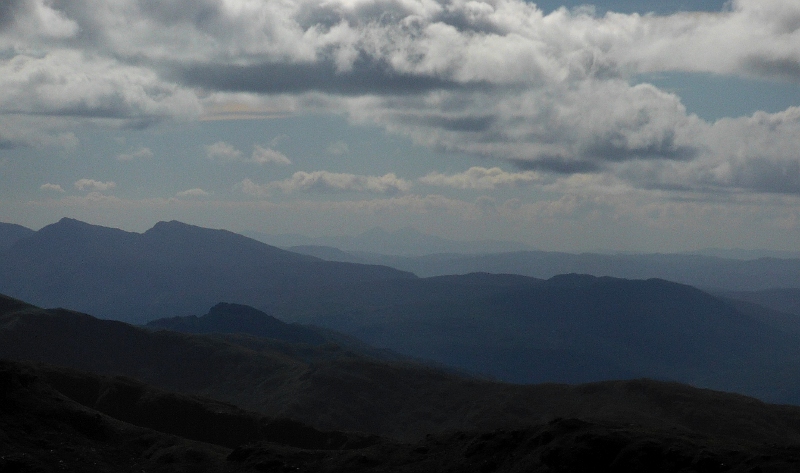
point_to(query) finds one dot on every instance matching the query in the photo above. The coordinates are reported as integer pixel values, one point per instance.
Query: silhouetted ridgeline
(11, 233)
(54, 418)
(175, 269)
(171, 269)
(705, 271)
(570, 328)
(237, 318)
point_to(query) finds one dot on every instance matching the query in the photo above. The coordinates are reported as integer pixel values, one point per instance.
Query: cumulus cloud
(94, 186)
(327, 182)
(481, 178)
(324, 181)
(195, 192)
(141, 153)
(251, 188)
(497, 78)
(79, 85)
(223, 152)
(51, 187)
(263, 155)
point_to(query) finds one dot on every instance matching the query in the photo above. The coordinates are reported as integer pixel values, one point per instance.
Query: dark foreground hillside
(53, 419)
(331, 388)
(416, 410)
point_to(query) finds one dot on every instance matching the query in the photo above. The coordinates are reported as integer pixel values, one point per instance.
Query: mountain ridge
(173, 268)
(427, 399)
(705, 271)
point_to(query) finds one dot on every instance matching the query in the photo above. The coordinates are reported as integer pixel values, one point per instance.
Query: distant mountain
(404, 241)
(330, 253)
(237, 318)
(780, 299)
(171, 269)
(570, 328)
(708, 272)
(734, 253)
(237, 322)
(10, 233)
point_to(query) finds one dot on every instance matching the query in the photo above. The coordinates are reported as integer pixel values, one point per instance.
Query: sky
(644, 126)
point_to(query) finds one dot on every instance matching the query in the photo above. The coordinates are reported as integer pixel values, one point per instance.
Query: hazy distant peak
(227, 308)
(572, 280)
(10, 233)
(173, 226)
(67, 223)
(403, 232)
(70, 228)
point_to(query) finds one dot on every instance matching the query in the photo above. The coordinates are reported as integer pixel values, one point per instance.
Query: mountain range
(405, 241)
(125, 398)
(171, 269)
(568, 328)
(707, 272)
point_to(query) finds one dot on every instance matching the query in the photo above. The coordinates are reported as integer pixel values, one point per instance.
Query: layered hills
(568, 328)
(55, 418)
(705, 271)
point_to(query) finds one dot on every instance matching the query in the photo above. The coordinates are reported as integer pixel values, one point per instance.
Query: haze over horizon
(623, 126)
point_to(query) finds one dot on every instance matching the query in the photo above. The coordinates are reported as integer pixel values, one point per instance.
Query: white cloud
(324, 181)
(195, 192)
(94, 186)
(141, 153)
(51, 187)
(481, 178)
(82, 86)
(223, 152)
(497, 78)
(268, 156)
(251, 188)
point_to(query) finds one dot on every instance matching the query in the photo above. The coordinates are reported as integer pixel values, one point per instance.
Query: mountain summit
(171, 269)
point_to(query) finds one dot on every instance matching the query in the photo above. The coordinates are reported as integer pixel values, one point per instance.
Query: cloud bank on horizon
(554, 97)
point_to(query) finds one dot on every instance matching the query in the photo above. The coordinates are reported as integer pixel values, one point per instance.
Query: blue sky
(624, 126)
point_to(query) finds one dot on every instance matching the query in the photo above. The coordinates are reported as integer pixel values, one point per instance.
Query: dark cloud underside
(366, 77)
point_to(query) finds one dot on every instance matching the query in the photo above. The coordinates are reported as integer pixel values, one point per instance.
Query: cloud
(51, 187)
(223, 152)
(82, 86)
(141, 153)
(195, 192)
(555, 94)
(226, 153)
(251, 188)
(94, 186)
(268, 156)
(481, 178)
(325, 182)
